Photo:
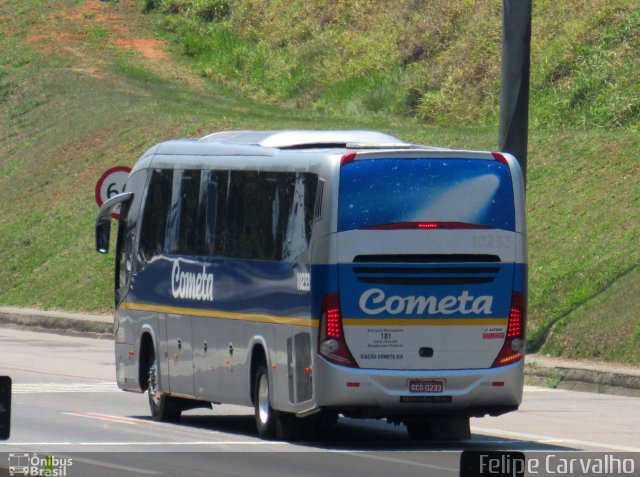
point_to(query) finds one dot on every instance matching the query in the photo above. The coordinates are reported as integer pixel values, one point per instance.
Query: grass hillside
(89, 84)
(437, 60)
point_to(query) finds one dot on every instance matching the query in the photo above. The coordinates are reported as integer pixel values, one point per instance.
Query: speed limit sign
(111, 183)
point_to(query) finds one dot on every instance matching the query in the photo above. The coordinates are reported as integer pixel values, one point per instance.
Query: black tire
(266, 417)
(163, 407)
(439, 429)
(418, 429)
(272, 424)
(317, 426)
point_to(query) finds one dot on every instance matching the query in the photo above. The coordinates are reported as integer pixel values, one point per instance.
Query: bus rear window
(378, 192)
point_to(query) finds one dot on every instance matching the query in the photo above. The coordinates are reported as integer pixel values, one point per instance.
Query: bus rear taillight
(500, 158)
(513, 348)
(347, 158)
(426, 226)
(331, 344)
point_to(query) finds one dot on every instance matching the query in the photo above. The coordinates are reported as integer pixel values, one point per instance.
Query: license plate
(426, 386)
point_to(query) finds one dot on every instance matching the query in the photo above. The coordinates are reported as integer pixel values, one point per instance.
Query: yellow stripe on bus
(427, 322)
(226, 315)
(285, 320)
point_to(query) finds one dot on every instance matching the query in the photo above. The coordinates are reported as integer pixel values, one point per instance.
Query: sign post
(514, 85)
(5, 407)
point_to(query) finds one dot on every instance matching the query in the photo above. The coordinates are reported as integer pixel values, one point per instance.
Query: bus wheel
(163, 407)
(266, 417)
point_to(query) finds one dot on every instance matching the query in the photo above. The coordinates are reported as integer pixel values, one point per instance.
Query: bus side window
(189, 232)
(279, 200)
(127, 226)
(154, 216)
(237, 214)
(268, 215)
(257, 208)
(300, 218)
(123, 255)
(247, 217)
(193, 228)
(211, 212)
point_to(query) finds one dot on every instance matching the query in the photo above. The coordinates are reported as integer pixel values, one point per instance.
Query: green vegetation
(86, 85)
(437, 60)
(554, 380)
(604, 328)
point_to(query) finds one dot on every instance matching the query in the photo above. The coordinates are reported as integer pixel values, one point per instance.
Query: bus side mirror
(103, 234)
(103, 221)
(5, 407)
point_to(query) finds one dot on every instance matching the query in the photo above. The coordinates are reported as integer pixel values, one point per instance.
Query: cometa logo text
(374, 301)
(190, 285)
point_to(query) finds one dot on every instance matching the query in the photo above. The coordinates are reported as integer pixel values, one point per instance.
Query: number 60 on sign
(111, 183)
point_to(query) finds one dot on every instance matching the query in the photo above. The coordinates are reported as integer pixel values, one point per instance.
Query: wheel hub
(154, 395)
(263, 399)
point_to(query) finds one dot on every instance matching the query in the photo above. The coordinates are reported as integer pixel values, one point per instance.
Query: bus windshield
(379, 192)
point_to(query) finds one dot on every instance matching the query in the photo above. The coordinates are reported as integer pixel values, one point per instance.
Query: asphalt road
(65, 403)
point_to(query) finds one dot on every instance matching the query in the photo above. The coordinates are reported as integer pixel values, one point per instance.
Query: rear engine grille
(418, 272)
(427, 258)
(299, 365)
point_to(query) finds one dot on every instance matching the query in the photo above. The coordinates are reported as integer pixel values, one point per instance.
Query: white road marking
(41, 388)
(401, 461)
(126, 468)
(151, 444)
(542, 439)
(538, 389)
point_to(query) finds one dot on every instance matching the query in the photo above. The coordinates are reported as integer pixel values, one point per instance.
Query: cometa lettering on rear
(374, 301)
(191, 286)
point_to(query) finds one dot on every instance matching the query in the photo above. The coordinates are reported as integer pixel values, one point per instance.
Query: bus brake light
(500, 158)
(347, 158)
(513, 348)
(426, 226)
(332, 345)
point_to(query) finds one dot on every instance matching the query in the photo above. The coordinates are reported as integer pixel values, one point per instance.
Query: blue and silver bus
(317, 274)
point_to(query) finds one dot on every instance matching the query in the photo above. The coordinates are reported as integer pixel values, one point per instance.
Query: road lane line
(126, 468)
(106, 417)
(41, 388)
(537, 389)
(401, 461)
(48, 373)
(150, 444)
(542, 439)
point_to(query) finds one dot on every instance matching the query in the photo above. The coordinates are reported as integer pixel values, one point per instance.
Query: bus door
(180, 353)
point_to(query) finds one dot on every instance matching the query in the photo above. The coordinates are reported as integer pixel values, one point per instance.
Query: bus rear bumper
(385, 393)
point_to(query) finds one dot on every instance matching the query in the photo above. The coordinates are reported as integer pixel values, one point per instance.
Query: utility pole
(514, 85)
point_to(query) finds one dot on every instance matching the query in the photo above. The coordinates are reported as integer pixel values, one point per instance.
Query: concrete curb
(583, 375)
(540, 370)
(78, 324)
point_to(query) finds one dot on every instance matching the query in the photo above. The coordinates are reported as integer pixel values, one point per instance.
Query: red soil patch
(93, 12)
(148, 47)
(47, 37)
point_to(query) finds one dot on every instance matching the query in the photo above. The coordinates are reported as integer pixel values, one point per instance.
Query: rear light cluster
(331, 344)
(513, 348)
(347, 158)
(351, 156)
(500, 158)
(426, 226)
